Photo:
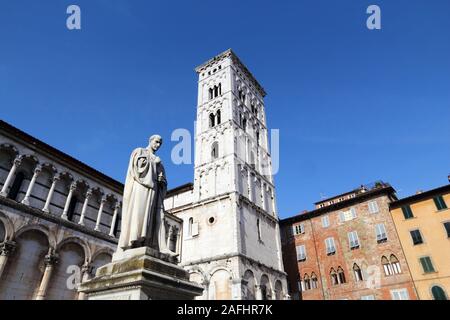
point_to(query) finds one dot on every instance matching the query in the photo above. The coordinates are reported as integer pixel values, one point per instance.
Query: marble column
(250, 186)
(16, 163)
(258, 292)
(26, 199)
(72, 188)
(86, 273)
(6, 249)
(85, 205)
(99, 215)
(114, 219)
(50, 194)
(51, 260)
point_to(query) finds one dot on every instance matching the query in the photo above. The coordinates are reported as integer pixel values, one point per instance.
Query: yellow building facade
(423, 226)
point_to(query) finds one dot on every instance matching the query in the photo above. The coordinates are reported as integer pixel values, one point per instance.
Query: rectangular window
(427, 265)
(301, 253)
(381, 233)
(329, 244)
(353, 240)
(400, 294)
(447, 228)
(407, 212)
(373, 207)
(368, 297)
(325, 221)
(440, 203)
(347, 215)
(353, 213)
(416, 237)
(299, 229)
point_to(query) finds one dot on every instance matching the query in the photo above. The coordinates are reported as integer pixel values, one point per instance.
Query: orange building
(423, 225)
(347, 248)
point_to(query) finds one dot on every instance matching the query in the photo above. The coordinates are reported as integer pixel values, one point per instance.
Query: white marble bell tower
(231, 242)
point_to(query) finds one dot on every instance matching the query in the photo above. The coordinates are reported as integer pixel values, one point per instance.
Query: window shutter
(407, 212)
(373, 207)
(293, 230)
(353, 213)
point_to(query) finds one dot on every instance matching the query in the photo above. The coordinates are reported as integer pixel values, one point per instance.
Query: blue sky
(352, 105)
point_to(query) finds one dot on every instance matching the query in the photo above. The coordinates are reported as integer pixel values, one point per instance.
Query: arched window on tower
(211, 120)
(191, 223)
(307, 282)
(218, 117)
(215, 150)
(386, 266)
(210, 93)
(216, 91)
(220, 89)
(334, 277)
(258, 229)
(341, 275)
(244, 124)
(314, 281)
(358, 273)
(395, 264)
(17, 184)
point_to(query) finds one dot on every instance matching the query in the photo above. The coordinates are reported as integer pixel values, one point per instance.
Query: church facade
(60, 219)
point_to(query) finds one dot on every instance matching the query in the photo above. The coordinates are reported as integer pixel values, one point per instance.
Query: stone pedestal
(141, 274)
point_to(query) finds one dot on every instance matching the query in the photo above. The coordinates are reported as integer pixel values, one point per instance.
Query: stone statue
(143, 208)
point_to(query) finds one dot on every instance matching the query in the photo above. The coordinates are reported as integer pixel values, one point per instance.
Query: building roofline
(83, 168)
(363, 196)
(420, 196)
(180, 189)
(235, 58)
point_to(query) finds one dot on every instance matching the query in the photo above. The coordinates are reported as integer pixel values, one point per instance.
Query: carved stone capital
(7, 248)
(17, 161)
(87, 268)
(88, 193)
(51, 259)
(73, 186)
(38, 170)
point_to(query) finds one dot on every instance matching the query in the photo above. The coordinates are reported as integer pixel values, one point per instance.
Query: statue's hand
(161, 178)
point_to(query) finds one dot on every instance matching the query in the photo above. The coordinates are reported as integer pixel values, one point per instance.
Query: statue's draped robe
(142, 211)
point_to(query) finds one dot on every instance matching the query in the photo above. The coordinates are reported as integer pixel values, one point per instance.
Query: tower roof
(236, 60)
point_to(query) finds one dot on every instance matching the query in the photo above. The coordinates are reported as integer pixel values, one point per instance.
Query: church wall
(214, 238)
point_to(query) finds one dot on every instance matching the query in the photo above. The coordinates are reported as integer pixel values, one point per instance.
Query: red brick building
(347, 248)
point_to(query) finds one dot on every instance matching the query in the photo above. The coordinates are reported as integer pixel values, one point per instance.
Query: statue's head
(155, 142)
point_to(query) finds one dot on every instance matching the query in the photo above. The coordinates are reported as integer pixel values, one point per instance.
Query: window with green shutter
(440, 203)
(427, 265)
(416, 237)
(447, 228)
(407, 212)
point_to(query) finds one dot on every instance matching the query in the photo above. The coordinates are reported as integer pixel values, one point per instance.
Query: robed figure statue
(144, 193)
